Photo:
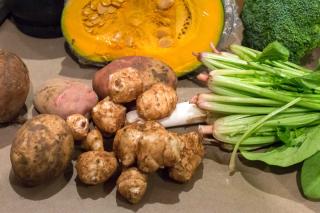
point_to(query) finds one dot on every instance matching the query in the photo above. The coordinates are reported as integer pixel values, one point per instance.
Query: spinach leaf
(285, 155)
(274, 51)
(307, 83)
(310, 177)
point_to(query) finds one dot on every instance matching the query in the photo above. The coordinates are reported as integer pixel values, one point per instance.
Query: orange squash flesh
(99, 31)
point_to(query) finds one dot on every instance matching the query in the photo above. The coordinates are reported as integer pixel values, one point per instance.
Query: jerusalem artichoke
(132, 184)
(93, 141)
(108, 116)
(79, 126)
(191, 155)
(157, 102)
(96, 167)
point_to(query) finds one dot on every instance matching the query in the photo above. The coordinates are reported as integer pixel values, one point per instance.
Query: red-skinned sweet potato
(65, 97)
(126, 78)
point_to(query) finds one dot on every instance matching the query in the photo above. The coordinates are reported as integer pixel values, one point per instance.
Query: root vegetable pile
(141, 147)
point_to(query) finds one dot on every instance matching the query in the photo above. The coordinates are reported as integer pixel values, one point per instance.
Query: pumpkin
(99, 31)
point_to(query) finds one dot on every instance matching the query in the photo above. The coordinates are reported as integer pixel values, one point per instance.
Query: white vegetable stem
(184, 114)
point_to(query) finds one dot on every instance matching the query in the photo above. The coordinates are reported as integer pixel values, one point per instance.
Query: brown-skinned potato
(41, 149)
(113, 81)
(14, 85)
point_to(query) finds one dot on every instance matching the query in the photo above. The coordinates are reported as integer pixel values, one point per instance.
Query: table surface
(254, 188)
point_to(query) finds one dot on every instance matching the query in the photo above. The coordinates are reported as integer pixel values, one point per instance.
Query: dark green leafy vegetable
(275, 51)
(285, 155)
(310, 177)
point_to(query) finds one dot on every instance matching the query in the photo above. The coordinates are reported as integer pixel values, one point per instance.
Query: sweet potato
(65, 97)
(126, 78)
(41, 150)
(14, 85)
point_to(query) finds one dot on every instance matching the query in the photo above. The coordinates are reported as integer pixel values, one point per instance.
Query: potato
(14, 85)
(41, 150)
(126, 78)
(65, 97)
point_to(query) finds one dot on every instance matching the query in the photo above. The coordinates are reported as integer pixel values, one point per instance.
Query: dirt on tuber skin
(108, 116)
(157, 148)
(191, 155)
(96, 167)
(79, 126)
(93, 141)
(14, 86)
(121, 79)
(157, 102)
(41, 150)
(125, 144)
(132, 184)
(149, 144)
(125, 85)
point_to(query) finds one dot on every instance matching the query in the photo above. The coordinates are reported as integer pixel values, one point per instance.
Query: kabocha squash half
(99, 31)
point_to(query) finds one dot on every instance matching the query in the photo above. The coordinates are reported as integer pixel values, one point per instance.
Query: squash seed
(94, 4)
(105, 2)
(93, 16)
(166, 21)
(163, 31)
(116, 4)
(101, 9)
(101, 23)
(87, 11)
(165, 4)
(166, 42)
(96, 21)
(111, 9)
(89, 23)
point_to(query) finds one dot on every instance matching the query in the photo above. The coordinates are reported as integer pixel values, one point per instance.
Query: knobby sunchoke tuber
(191, 155)
(153, 147)
(132, 184)
(96, 167)
(157, 102)
(108, 116)
(79, 126)
(93, 141)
